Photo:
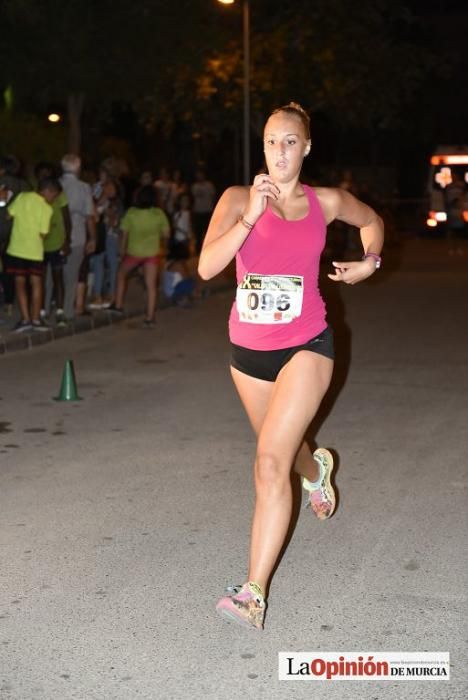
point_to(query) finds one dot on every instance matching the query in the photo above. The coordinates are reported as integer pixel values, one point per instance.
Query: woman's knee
(271, 471)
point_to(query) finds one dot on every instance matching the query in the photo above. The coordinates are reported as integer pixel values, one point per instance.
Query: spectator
(179, 187)
(203, 194)
(104, 265)
(145, 179)
(142, 227)
(56, 248)
(7, 281)
(109, 211)
(10, 177)
(31, 213)
(163, 187)
(182, 232)
(178, 284)
(83, 232)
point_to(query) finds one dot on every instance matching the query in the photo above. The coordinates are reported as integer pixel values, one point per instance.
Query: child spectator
(56, 249)
(163, 187)
(142, 228)
(31, 213)
(178, 284)
(182, 232)
(109, 208)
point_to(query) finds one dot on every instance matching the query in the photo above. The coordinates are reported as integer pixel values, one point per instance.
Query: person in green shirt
(56, 248)
(31, 213)
(145, 228)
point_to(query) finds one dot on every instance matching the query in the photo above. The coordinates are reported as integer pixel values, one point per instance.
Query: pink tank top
(278, 302)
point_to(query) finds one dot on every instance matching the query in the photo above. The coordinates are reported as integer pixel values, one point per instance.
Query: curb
(27, 341)
(82, 324)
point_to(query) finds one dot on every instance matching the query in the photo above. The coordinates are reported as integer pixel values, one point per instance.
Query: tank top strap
(315, 209)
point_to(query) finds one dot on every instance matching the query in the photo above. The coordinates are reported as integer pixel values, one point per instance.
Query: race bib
(269, 298)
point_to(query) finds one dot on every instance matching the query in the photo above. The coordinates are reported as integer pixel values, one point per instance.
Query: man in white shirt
(83, 227)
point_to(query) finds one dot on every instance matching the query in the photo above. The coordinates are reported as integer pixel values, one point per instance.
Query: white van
(448, 163)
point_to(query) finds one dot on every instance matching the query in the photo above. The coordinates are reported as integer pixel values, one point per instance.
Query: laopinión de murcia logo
(364, 666)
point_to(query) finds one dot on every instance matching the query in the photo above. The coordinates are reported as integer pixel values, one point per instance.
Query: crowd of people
(69, 241)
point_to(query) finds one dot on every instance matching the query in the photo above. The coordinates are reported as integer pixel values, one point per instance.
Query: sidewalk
(134, 306)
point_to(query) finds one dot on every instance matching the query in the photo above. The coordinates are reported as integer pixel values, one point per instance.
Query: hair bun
(296, 109)
(296, 105)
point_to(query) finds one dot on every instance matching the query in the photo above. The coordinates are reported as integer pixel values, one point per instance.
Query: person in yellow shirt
(143, 228)
(56, 248)
(31, 213)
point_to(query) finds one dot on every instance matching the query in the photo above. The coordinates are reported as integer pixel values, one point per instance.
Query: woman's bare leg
(151, 279)
(255, 395)
(122, 276)
(291, 403)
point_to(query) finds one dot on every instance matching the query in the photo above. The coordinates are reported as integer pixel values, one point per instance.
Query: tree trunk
(75, 110)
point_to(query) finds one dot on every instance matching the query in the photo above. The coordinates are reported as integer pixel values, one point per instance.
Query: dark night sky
(439, 115)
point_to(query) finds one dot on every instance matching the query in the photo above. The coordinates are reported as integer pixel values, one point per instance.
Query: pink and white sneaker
(245, 605)
(321, 495)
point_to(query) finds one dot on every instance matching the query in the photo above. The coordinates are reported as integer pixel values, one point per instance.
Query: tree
(85, 54)
(363, 67)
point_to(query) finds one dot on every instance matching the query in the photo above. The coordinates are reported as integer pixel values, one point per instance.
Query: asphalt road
(124, 515)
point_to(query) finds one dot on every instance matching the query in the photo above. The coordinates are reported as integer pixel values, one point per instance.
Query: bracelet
(245, 223)
(377, 258)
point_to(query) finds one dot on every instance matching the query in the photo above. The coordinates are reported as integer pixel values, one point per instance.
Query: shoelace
(234, 589)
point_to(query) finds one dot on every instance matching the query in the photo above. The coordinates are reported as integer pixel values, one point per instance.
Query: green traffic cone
(68, 389)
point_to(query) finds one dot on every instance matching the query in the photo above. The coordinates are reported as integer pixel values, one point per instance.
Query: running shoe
(22, 326)
(148, 323)
(60, 319)
(321, 495)
(118, 311)
(244, 605)
(40, 325)
(95, 305)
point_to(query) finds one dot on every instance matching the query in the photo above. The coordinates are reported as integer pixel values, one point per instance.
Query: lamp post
(246, 85)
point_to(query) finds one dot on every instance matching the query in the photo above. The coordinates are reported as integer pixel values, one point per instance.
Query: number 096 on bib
(269, 298)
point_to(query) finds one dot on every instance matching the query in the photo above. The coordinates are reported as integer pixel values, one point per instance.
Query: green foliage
(358, 61)
(363, 64)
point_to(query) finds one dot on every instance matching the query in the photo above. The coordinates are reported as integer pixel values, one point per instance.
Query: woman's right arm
(226, 233)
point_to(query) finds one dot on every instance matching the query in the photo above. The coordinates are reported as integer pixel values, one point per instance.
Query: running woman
(282, 349)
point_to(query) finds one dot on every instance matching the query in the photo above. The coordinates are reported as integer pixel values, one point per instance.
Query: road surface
(124, 515)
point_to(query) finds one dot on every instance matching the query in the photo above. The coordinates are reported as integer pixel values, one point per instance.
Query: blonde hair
(295, 109)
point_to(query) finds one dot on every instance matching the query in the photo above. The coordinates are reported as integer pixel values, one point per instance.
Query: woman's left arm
(341, 205)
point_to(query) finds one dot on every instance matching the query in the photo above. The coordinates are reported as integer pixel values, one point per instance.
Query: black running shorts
(267, 364)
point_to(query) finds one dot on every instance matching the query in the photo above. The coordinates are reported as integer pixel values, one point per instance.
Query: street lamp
(246, 120)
